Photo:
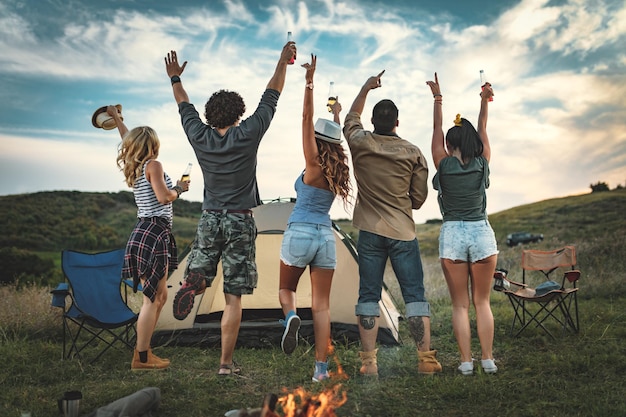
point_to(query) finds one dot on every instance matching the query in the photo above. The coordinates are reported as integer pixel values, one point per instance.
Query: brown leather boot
(153, 363)
(428, 363)
(164, 360)
(369, 364)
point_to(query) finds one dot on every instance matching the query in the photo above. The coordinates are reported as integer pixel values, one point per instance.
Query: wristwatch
(309, 86)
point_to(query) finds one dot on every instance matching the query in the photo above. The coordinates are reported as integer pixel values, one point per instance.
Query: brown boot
(428, 363)
(153, 363)
(164, 360)
(369, 364)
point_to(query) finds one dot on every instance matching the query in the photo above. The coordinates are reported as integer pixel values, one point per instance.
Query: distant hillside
(56, 220)
(598, 215)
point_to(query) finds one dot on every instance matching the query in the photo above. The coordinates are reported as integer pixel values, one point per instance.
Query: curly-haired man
(226, 148)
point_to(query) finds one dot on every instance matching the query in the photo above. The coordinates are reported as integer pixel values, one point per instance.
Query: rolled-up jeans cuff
(367, 309)
(418, 309)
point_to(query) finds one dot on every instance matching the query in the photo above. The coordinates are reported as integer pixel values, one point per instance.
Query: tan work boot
(153, 363)
(428, 363)
(164, 360)
(369, 364)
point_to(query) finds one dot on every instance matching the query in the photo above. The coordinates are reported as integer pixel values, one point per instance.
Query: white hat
(328, 131)
(102, 119)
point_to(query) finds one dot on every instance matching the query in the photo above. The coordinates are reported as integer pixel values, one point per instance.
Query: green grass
(574, 375)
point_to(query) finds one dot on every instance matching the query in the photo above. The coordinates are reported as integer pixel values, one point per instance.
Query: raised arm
(277, 82)
(121, 127)
(336, 108)
(370, 84)
(313, 169)
(485, 95)
(174, 71)
(437, 146)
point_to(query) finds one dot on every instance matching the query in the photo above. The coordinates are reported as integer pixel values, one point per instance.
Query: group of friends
(392, 180)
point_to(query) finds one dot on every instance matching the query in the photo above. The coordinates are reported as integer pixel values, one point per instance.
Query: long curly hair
(334, 163)
(138, 146)
(223, 109)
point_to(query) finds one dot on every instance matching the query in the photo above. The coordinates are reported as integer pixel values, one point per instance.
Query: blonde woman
(309, 239)
(151, 248)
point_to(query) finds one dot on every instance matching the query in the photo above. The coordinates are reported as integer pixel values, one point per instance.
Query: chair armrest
(59, 293)
(572, 276)
(518, 284)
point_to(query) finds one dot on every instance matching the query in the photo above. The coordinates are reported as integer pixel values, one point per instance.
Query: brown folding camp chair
(555, 301)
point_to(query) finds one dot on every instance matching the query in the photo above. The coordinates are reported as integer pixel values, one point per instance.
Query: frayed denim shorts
(309, 244)
(467, 241)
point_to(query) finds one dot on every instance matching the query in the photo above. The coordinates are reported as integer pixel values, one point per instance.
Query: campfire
(300, 402)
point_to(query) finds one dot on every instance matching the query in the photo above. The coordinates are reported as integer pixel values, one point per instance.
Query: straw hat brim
(102, 120)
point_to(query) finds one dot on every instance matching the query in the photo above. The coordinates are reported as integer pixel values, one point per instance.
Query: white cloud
(548, 136)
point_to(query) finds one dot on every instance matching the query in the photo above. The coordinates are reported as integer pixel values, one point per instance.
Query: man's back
(229, 162)
(391, 176)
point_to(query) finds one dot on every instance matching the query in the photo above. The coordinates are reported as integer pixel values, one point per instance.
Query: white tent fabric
(261, 310)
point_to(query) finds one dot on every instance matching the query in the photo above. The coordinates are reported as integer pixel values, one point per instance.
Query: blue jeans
(374, 250)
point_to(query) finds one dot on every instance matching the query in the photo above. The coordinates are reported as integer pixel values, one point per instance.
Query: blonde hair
(334, 163)
(138, 146)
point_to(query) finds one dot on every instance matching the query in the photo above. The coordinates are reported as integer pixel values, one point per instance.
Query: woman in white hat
(151, 249)
(309, 239)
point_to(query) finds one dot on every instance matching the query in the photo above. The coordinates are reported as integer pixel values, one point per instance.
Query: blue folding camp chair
(97, 315)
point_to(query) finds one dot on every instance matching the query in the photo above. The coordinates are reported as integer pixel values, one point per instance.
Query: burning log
(298, 403)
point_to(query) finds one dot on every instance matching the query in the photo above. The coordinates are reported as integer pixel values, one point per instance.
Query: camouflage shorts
(231, 237)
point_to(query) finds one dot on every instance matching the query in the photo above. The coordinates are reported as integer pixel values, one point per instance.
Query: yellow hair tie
(458, 121)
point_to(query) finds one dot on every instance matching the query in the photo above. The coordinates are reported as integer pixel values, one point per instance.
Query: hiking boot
(150, 354)
(289, 341)
(489, 366)
(184, 298)
(153, 363)
(163, 360)
(466, 368)
(369, 363)
(428, 363)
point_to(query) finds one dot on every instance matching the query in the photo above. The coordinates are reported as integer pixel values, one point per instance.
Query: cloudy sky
(557, 124)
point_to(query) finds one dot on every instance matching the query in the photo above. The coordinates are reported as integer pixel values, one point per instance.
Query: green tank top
(461, 189)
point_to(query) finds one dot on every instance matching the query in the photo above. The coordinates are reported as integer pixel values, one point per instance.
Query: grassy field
(574, 375)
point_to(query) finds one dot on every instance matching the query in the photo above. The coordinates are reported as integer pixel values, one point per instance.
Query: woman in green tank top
(467, 244)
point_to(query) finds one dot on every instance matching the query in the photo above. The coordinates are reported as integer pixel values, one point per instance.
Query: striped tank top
(146, 200)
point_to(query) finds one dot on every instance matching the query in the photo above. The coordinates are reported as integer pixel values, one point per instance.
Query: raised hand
(487, 92)
(374, 82)
(434, 86)
(171, 65)
(310, 68)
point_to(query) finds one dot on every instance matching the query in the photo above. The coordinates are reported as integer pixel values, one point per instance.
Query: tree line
(56, 220)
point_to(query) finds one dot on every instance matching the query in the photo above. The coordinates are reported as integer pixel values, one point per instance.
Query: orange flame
(301, 403)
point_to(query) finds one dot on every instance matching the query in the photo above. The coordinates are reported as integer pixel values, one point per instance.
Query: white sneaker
(489, 366)
(466, 368)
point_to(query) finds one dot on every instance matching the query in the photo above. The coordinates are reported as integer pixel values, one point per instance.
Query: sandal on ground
(232, 369)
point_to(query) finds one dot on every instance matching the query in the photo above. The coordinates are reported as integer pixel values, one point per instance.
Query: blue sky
(557, 125)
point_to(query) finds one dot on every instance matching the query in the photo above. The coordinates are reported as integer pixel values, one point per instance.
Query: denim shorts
(309, 244)
(467, 241)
